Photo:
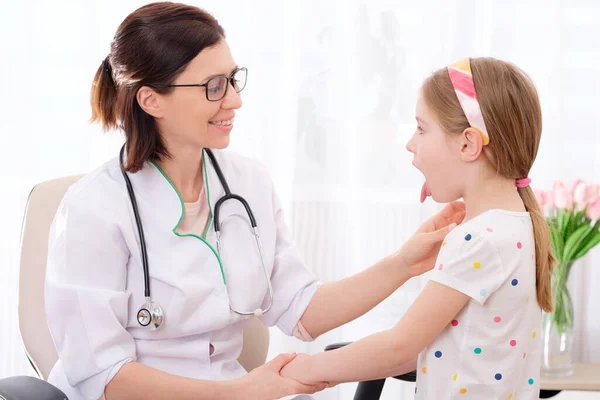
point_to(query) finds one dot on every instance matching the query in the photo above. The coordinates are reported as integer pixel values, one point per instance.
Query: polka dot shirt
(491, 349)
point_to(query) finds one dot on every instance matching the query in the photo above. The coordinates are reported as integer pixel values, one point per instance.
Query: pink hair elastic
(522, 183)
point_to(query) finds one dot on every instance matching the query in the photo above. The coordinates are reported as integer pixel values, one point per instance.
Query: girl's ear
(471, 144)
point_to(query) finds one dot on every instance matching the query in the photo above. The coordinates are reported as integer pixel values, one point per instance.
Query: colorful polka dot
(514, 282)
(534, 334)
(489, 230)
(441, 267)
(519, 245)
(510, 396)
(524, 355)
(438, 354)
(527, 300)
(498, 377)
(513, 343)
(424, 370)
(468, 237)
(483, 292)
(445, 243)
(477, 350)
(477, 264)
(454, 377)
(463, 391)
(454, 322)
(530, 381)
(497, 319)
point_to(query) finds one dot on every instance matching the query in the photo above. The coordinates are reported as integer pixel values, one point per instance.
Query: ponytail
(103, 97)
(544, 258)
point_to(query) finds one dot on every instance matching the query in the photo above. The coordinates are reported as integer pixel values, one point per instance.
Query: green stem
(562, 316)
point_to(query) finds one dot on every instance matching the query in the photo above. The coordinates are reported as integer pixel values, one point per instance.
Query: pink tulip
(542, 197)
(562, 197)
(579, 193)
(550, 202)
(593, 192)
(593, 210)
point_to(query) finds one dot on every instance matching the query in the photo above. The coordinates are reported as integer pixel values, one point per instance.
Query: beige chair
(41, 207)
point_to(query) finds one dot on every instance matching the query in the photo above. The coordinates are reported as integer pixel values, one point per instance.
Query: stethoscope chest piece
(150, 314)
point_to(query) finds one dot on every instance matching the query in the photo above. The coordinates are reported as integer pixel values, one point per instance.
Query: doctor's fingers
(321, 386)
(451, 213)
(300, 388)
(453, 210)
(279, 362)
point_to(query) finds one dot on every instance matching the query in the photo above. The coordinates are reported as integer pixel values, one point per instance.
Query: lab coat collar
(155, 191)
(212, 184)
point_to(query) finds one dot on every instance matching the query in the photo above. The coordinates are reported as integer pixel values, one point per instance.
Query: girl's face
(437, 156)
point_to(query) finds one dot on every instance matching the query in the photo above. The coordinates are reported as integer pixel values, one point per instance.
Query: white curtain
(328, 108)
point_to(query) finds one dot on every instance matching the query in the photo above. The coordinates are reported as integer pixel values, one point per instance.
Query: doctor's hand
(266, 383)
(299, 369)
(419, 252)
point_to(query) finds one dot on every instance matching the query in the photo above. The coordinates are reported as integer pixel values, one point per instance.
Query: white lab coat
(95, 285)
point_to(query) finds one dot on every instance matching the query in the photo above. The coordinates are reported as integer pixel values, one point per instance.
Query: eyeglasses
(216, 87)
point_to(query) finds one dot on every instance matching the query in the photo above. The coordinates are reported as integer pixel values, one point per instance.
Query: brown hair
(511, 109)
(152, 46)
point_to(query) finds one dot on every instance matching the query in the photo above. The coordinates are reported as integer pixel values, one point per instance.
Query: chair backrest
(42, 205)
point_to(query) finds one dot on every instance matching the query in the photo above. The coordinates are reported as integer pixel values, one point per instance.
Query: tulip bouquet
(574, 219)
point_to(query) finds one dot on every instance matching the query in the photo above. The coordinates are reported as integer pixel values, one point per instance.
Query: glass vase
(557, 359)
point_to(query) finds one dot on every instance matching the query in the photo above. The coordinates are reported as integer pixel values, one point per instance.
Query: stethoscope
(151, 312)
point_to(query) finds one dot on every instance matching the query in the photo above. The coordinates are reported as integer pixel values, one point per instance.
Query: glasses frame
(230, 82)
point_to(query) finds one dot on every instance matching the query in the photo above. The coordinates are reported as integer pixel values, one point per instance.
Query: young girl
(474, 331)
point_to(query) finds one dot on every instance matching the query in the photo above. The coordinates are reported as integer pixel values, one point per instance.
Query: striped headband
(462, 81)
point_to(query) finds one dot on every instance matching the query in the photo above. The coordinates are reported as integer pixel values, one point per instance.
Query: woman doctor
(157, 311)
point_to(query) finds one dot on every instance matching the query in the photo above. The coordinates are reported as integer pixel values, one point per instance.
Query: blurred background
(329, 107)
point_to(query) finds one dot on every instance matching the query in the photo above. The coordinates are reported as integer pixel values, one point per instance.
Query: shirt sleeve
(85, 297)
(293, 285)
(471, 264)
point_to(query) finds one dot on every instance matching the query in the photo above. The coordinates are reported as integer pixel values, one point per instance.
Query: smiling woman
(134, 87)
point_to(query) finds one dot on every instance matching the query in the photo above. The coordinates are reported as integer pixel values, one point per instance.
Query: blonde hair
(511, 109)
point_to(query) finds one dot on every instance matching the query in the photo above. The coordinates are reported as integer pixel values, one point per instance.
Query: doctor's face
(436, 155)
(188, 117)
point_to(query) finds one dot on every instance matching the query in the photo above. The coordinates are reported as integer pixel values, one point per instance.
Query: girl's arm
(385, 353)
(405, 368)
(337, 303)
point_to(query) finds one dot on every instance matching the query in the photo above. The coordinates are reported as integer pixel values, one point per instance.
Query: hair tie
(106, 65)
(464, 87)
(522, 183)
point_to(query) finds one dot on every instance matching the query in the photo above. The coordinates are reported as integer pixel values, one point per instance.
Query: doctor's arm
(138, 382)
(337, 303)
(87, 309)
(387, 353)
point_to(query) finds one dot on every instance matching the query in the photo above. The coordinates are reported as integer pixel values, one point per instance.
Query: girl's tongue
(425, 192)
